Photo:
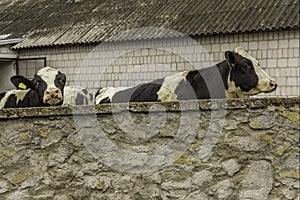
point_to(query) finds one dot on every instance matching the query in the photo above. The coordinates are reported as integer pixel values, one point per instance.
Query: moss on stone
(266, 138)
(22, 177)
(182, 160)
(101, 186)
(292, 116)
(2, 158)
(43, 133)
(290, 174)
(195, 145)
(4, 155)
(64, 142)
(24, 136)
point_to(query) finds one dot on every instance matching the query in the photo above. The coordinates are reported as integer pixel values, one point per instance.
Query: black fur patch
(202, 84)
(146, 92)
(30, 100)
(11, 102)
(242, 72)
(2, 94)
(105, 100)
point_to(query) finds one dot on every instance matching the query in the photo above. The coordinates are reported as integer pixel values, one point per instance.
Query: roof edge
(244, 31)
(11, 41)
(16, 47)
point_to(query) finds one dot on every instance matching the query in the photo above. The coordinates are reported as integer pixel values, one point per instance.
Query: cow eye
(36, 83)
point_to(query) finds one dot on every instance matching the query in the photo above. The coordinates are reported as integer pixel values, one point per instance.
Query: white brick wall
(5, 52)
(134, 62)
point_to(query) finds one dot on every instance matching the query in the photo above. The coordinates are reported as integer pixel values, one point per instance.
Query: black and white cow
(77, 95)
(45, 89)
(238, 76)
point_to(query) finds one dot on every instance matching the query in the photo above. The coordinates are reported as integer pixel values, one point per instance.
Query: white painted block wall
(132, 62)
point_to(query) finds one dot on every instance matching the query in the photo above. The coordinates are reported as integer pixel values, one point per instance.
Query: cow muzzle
(268, 86)
(265, 86)
(53, 96)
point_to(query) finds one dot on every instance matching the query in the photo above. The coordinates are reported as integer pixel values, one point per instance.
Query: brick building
(118, 43)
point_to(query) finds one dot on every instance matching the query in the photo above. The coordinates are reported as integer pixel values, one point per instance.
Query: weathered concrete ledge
(203, 105)
(207, 150)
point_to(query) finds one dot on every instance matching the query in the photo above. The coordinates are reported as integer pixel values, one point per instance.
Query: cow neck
(224, 70)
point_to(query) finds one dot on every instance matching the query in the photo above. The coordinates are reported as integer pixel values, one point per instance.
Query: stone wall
(234, 149)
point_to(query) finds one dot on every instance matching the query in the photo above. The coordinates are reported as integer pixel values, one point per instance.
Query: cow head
(47, 82)
(246, 77)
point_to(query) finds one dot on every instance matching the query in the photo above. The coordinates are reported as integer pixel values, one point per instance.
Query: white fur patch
(167, 90)
(48, 74)
(20, 94)
(70, 95)
(108, 92)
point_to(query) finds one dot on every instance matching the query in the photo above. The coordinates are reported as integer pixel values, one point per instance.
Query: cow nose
(52, 93)
(273, 85)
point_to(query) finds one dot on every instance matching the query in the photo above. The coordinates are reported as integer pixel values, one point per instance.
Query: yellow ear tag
(22, 86)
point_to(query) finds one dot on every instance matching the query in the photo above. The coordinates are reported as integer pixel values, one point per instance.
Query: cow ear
(230, 57)
(21, 82)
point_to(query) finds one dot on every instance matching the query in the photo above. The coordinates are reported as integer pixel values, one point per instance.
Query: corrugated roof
(63, 22)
